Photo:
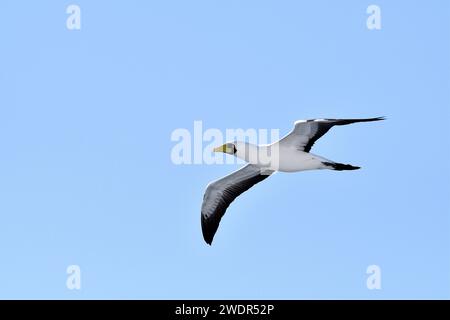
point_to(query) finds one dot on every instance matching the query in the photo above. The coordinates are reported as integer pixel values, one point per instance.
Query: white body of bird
(277, 157)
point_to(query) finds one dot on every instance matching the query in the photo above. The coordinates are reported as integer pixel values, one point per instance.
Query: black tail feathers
(340, 166)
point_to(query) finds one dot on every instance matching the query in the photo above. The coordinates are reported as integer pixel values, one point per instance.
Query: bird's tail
(340, 166)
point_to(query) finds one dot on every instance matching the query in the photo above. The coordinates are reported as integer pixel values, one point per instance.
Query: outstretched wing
(307, 132)
(220, 193)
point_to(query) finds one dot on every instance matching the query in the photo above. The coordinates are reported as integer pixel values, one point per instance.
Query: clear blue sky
(86, 176)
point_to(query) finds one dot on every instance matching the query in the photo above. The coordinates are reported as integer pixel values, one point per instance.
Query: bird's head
(229, 148)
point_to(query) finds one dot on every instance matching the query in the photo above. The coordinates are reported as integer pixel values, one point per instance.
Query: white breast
(274, 157)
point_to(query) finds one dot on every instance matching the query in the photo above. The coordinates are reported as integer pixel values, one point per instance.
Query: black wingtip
(208, 238)
(340, 166)
(208, 241)
(209, 229)
(371, 119)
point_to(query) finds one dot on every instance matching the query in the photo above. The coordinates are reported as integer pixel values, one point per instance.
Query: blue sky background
(86, 176)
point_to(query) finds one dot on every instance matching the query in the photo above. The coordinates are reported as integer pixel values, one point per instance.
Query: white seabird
(289, 154)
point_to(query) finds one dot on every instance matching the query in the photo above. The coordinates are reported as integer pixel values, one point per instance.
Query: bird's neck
(251, 153)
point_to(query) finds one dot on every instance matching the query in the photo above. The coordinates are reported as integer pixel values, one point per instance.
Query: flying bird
(289, 154)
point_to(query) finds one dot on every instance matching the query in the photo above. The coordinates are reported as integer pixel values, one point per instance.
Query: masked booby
(289, 154)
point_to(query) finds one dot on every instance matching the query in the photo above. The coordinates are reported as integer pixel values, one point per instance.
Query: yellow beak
(222, 148)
